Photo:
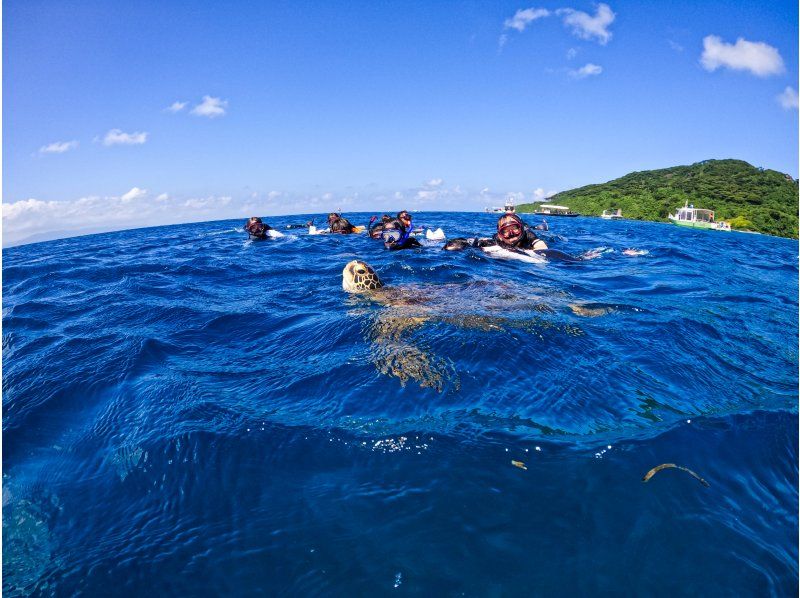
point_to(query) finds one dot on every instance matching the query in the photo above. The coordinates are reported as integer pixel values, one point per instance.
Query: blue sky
(313, 106)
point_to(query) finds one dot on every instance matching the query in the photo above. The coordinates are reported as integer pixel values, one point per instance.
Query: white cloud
(14, 211)
(502, 41)
(58, 147)
(585, 26)
(572, 53)
(207, 203)
(586, 70)
(177, 107)
(35, 218)
(210, 107)
(117, 137)
(524, 17)
(539, 194)
(134, 193)
(434, 183)
(788, 99)
(757, 57)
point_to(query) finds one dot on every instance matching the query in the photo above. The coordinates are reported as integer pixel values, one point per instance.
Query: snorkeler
(256, 229)
(513, 236)
(396, 235)
(339, 225)
(375, 229)
(512, 233)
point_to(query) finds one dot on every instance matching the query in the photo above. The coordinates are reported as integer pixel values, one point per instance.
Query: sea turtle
(480, 305)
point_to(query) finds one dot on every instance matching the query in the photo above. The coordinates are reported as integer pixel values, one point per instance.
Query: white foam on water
(632, 252)
(593, 254)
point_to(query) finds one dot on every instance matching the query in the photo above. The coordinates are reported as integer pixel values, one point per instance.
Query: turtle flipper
(407, 362)
(394, 356)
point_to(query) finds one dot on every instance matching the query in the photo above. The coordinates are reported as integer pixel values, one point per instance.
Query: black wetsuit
(526, 243)
(409, 243)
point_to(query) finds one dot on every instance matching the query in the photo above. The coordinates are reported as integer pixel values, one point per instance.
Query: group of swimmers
(396, 233)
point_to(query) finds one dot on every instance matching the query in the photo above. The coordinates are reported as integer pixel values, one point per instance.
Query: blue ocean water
(186, 412)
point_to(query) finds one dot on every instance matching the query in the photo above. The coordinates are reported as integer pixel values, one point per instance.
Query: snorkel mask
(510, 228)
(391, 236)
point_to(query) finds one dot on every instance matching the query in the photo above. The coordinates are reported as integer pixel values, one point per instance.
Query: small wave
(201, 404)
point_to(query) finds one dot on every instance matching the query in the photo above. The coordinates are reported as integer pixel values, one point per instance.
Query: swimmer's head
(393, 231)
(376, 231)
(455, 245)
(255, 226)
(510, 229)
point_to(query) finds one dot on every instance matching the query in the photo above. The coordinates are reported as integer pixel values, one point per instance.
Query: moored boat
(554, 210)
(508, 208)
(613, 214)
(693, 217)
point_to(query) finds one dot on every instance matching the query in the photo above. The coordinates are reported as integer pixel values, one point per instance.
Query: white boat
(612, 214)
(547, 209)
(507, 209)
(693, 217)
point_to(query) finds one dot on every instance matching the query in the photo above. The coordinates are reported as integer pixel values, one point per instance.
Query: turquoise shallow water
(191, 413)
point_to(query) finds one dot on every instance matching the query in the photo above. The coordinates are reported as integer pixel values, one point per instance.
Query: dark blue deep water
(186, 412)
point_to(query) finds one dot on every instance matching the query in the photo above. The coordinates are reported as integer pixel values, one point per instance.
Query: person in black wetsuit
(256, 229)
(512, 234)
(375, 229)
(396, 236)
(339, 225)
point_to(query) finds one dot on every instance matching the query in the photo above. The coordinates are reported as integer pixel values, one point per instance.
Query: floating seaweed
(658, 468)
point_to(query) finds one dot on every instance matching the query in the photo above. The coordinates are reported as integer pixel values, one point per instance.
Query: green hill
(749, 198)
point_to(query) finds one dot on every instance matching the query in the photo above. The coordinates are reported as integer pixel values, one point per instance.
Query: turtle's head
(360, 277)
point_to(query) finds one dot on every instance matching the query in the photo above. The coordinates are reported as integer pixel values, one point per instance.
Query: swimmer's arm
(555, 254)
(409, 244)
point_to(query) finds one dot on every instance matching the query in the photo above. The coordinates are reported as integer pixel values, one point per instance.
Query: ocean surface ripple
(188, 412)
